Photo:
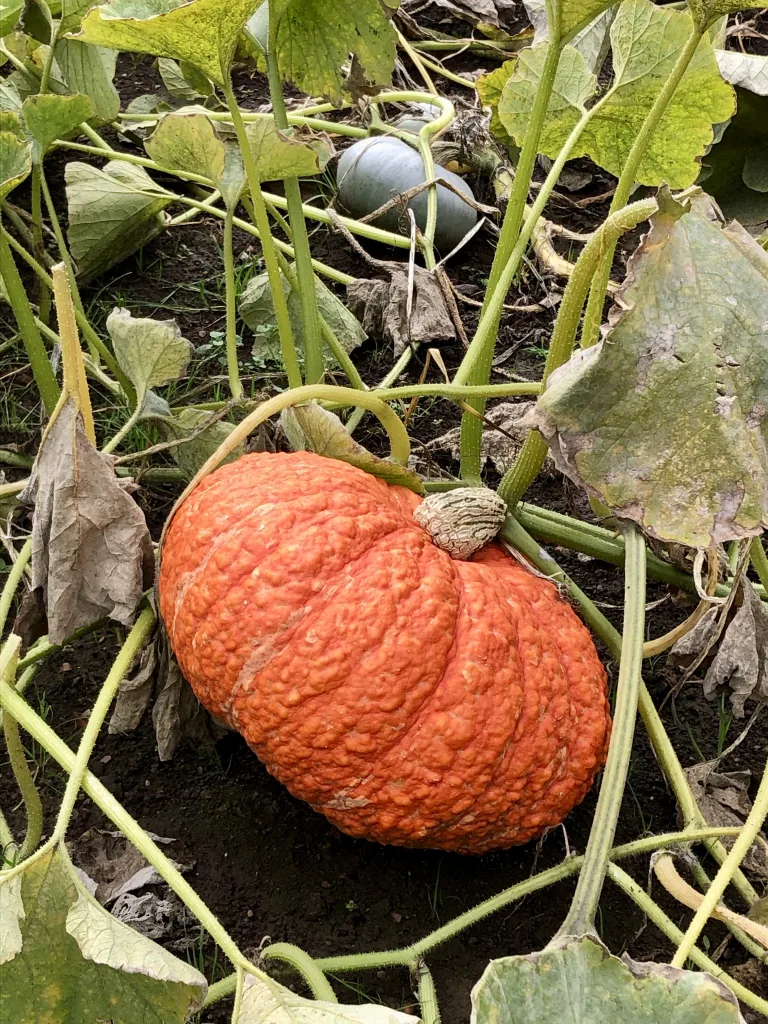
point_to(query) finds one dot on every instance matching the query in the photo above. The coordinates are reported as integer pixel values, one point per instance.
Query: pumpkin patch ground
(566, 682)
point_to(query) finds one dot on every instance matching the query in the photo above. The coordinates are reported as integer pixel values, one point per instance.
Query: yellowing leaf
(48, 117)
(90, 70)
(489, 88)
(67, 959)
(707, 11)
(150, 352)
(666, 421)
(15, 161)
(202, 33)
(277, 155)
(579, 981)
(314, 39)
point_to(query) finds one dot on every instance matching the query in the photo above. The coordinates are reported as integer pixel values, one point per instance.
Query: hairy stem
(235, 385)
(759, 561)
(313, 348)
(594, 314)
(532, 455)
(15, 577)
(9, 657)
(305, 965)
(581, 916)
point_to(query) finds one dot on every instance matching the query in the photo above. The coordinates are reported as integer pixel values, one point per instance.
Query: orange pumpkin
(410, 698)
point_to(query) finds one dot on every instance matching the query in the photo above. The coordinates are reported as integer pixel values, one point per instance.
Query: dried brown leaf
(91, 552)
(135, 693)
(723, 799)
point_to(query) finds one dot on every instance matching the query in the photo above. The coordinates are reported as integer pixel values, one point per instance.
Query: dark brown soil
(265, 863)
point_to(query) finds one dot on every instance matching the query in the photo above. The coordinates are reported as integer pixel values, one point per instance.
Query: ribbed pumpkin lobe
(410, 697)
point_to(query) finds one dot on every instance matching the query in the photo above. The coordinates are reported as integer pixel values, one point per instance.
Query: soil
(268, 866)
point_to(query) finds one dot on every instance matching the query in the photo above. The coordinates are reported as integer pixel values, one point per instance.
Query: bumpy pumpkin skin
(410, 698)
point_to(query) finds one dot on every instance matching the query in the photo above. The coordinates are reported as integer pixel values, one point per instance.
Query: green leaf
(190, 142)
(72, 12)
(202, 33)
(576, 15)
(90, 70)
(489, 88)
(65, 958)
(15, 161)
(314, 39)
(725, 166)
(112, 213)
(666, 421)
(199, 441)
(258, 312)
(10, 100)
(277, 155)
(579, 981)
(311, 428)
(183, 82)
(9, 15)
(646, 42)
(574, 85)
(755, 173)
(150, 352)
(10, 122)
(48, 117)
(269, 1003)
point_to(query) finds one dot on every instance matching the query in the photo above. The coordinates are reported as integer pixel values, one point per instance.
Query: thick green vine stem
(471, 426)
(425, 989)
(594, 314)
(736, 855)
(654, 912)
(12, 582)
(133, 644)
(313, 348)
(759, 560)
(305, 965)
(581, 916)
(475, 367)
(233, 369)
(30, 335)
(530, 459)
(9, 657)
(287, 347)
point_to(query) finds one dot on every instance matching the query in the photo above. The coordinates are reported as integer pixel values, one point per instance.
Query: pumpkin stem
(462, 521)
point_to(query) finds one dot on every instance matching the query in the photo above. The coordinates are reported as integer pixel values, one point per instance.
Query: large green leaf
(15, 161)
(48, 117)
(90, 70)
(315, 38)
(269, 1003)
(64, 958)
(277, 155)
(202, 33)
(150, 352)
(113, 212)
(199, 441)
(579, 981)
(646, 42)
(9, 15)
(666, 420)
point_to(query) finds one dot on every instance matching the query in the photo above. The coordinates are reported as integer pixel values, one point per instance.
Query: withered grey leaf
(30, 623)
(477, 11)
(114, 864)
(738, 649)
(723, 799)
(135, 693)
(91, 551)
(381, 307)
(177, 713)
(501, 446)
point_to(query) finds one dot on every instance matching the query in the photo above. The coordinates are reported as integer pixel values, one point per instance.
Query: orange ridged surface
(410, 698)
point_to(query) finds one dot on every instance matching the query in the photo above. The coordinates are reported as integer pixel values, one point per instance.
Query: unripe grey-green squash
(373, 171)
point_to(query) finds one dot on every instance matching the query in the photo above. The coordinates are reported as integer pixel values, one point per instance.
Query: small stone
(106, 759)
(249, 913)
(397, 918)
(66, 667)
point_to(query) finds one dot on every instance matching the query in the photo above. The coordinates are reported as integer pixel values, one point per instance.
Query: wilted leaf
(266, 1002)
(315, 38)
(323, 432)
(578, 980)
(15, 162)
(90, 544)
(734, 646)
(113, 864)
(90, 70)
(113, 212)
(201, 443)
(135, 694)
(499, 446)
(277, 155)
(190, 142)
(646, 42)
(382, 308)
(48, 117)
(65, 958)
(747, 70)
(686, 352)
(258, 312)
(150, 352)
(202, 33)
(723, 799)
